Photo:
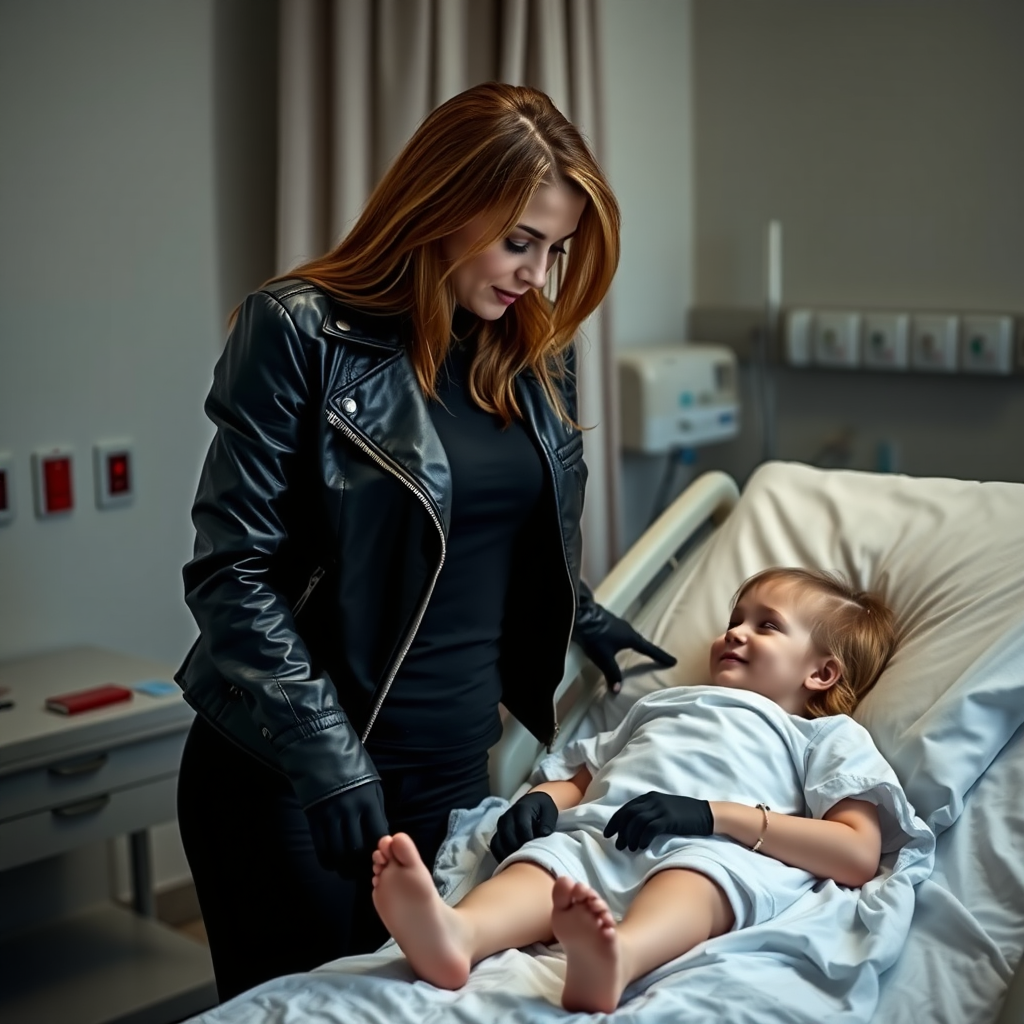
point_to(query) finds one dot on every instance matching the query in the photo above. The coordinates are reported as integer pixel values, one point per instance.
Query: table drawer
(70, 780)
(87, 820)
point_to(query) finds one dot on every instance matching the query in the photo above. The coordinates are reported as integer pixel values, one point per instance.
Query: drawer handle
(83, 766)
(97, 803)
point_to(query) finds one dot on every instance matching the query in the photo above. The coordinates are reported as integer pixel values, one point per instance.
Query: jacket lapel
(387, 410)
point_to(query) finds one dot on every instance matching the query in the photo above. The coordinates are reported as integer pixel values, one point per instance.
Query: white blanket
(717, 743)
(818, 960)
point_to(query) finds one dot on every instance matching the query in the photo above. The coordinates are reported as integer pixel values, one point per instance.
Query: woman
(387, 529)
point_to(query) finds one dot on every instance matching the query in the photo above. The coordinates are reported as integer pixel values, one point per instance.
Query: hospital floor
(179, 909)
(194, 930)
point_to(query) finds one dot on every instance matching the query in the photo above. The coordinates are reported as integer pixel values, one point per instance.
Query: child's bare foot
(582, 923)
(428, 931)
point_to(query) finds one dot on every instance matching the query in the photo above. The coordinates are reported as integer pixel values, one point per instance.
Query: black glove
(657, 814)
(347, 826)
(530, 817)
(609, 635)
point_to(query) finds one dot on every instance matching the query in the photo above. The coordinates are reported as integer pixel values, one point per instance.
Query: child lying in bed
(763, 768)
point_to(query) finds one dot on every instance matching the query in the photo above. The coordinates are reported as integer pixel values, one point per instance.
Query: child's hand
(654, 814)
(532, 816)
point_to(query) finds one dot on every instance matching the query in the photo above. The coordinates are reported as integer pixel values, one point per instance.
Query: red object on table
(86, 700)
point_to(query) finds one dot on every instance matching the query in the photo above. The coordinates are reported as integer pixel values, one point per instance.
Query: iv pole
(769, 334)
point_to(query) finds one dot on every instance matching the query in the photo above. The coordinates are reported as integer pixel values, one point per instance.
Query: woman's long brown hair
(486, 150)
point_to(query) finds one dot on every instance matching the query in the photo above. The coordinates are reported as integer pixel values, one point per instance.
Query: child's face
(768, 649)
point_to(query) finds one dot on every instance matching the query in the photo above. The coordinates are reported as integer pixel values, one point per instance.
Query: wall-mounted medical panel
(935, 342)
(986, 344)
(799, 337)
(836, 339)
(885, 341)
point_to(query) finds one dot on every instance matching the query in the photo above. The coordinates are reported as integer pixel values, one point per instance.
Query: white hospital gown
(710, 743)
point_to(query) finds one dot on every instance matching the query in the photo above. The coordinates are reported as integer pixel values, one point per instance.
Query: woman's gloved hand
(656, 814)
(533, 815)
(346, 828)
(609, 635)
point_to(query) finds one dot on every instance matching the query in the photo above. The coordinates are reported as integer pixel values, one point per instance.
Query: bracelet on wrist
(764, 809)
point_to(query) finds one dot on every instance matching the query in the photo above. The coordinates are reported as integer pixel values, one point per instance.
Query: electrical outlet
(986, 344)
(886, 341)
(837, 339)
(934, 340)
(799, 333)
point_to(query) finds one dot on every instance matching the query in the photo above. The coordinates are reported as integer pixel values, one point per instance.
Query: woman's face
(490, 282)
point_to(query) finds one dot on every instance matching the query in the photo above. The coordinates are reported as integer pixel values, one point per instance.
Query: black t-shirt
(443, 704)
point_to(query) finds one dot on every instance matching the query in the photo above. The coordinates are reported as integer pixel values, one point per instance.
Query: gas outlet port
(986, 344)
(934, 342)
(885, 341)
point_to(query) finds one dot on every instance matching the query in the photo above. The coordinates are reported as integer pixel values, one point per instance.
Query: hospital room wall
(646, 152)
(137, 144)
(887, 139)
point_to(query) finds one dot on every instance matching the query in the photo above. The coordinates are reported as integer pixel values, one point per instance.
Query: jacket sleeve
(259, 404)
(590, 616)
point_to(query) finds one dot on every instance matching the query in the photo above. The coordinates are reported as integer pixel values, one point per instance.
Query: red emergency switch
(114, 473)
(57, 484)
(6, 488)
(54, 481)
(118, 479)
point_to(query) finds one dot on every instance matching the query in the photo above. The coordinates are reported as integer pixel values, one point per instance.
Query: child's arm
(845, 845)
(535, 814)
(569, 792)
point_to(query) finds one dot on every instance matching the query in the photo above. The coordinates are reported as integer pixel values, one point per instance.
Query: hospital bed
(947, 713)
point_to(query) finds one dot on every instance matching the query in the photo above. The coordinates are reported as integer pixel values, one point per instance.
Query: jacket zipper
(339, 424)
(568, 575)
(318, 574)
(572, 625)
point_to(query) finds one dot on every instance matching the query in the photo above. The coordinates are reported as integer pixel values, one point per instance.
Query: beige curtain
(358, 76)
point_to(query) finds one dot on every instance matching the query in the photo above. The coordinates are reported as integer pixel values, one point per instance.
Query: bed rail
(710, 497)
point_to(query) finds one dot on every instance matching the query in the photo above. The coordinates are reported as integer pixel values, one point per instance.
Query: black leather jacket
(321, 523)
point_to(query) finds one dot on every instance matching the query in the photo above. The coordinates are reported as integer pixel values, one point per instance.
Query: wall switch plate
(886, 341)
(6, 488)
(114, 473)
(986, 344)
(54, 479)
(799, 332)
(934, 342)
(837, 339)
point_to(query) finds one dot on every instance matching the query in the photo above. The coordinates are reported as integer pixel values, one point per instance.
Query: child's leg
(440, 942)
(674, 911)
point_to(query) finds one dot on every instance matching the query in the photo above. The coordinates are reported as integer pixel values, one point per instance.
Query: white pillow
(947, 555)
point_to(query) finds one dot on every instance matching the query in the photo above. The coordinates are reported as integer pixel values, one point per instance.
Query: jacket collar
(383, 332)
(386, 409)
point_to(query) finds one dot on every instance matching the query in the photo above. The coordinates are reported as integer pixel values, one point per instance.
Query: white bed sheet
(967, 935)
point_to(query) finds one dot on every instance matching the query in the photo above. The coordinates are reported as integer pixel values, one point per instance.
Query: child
(766, 770)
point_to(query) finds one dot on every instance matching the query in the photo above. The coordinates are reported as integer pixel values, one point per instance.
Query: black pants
(268, 906)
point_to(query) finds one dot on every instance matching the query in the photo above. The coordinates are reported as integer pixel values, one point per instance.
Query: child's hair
(855, 626)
